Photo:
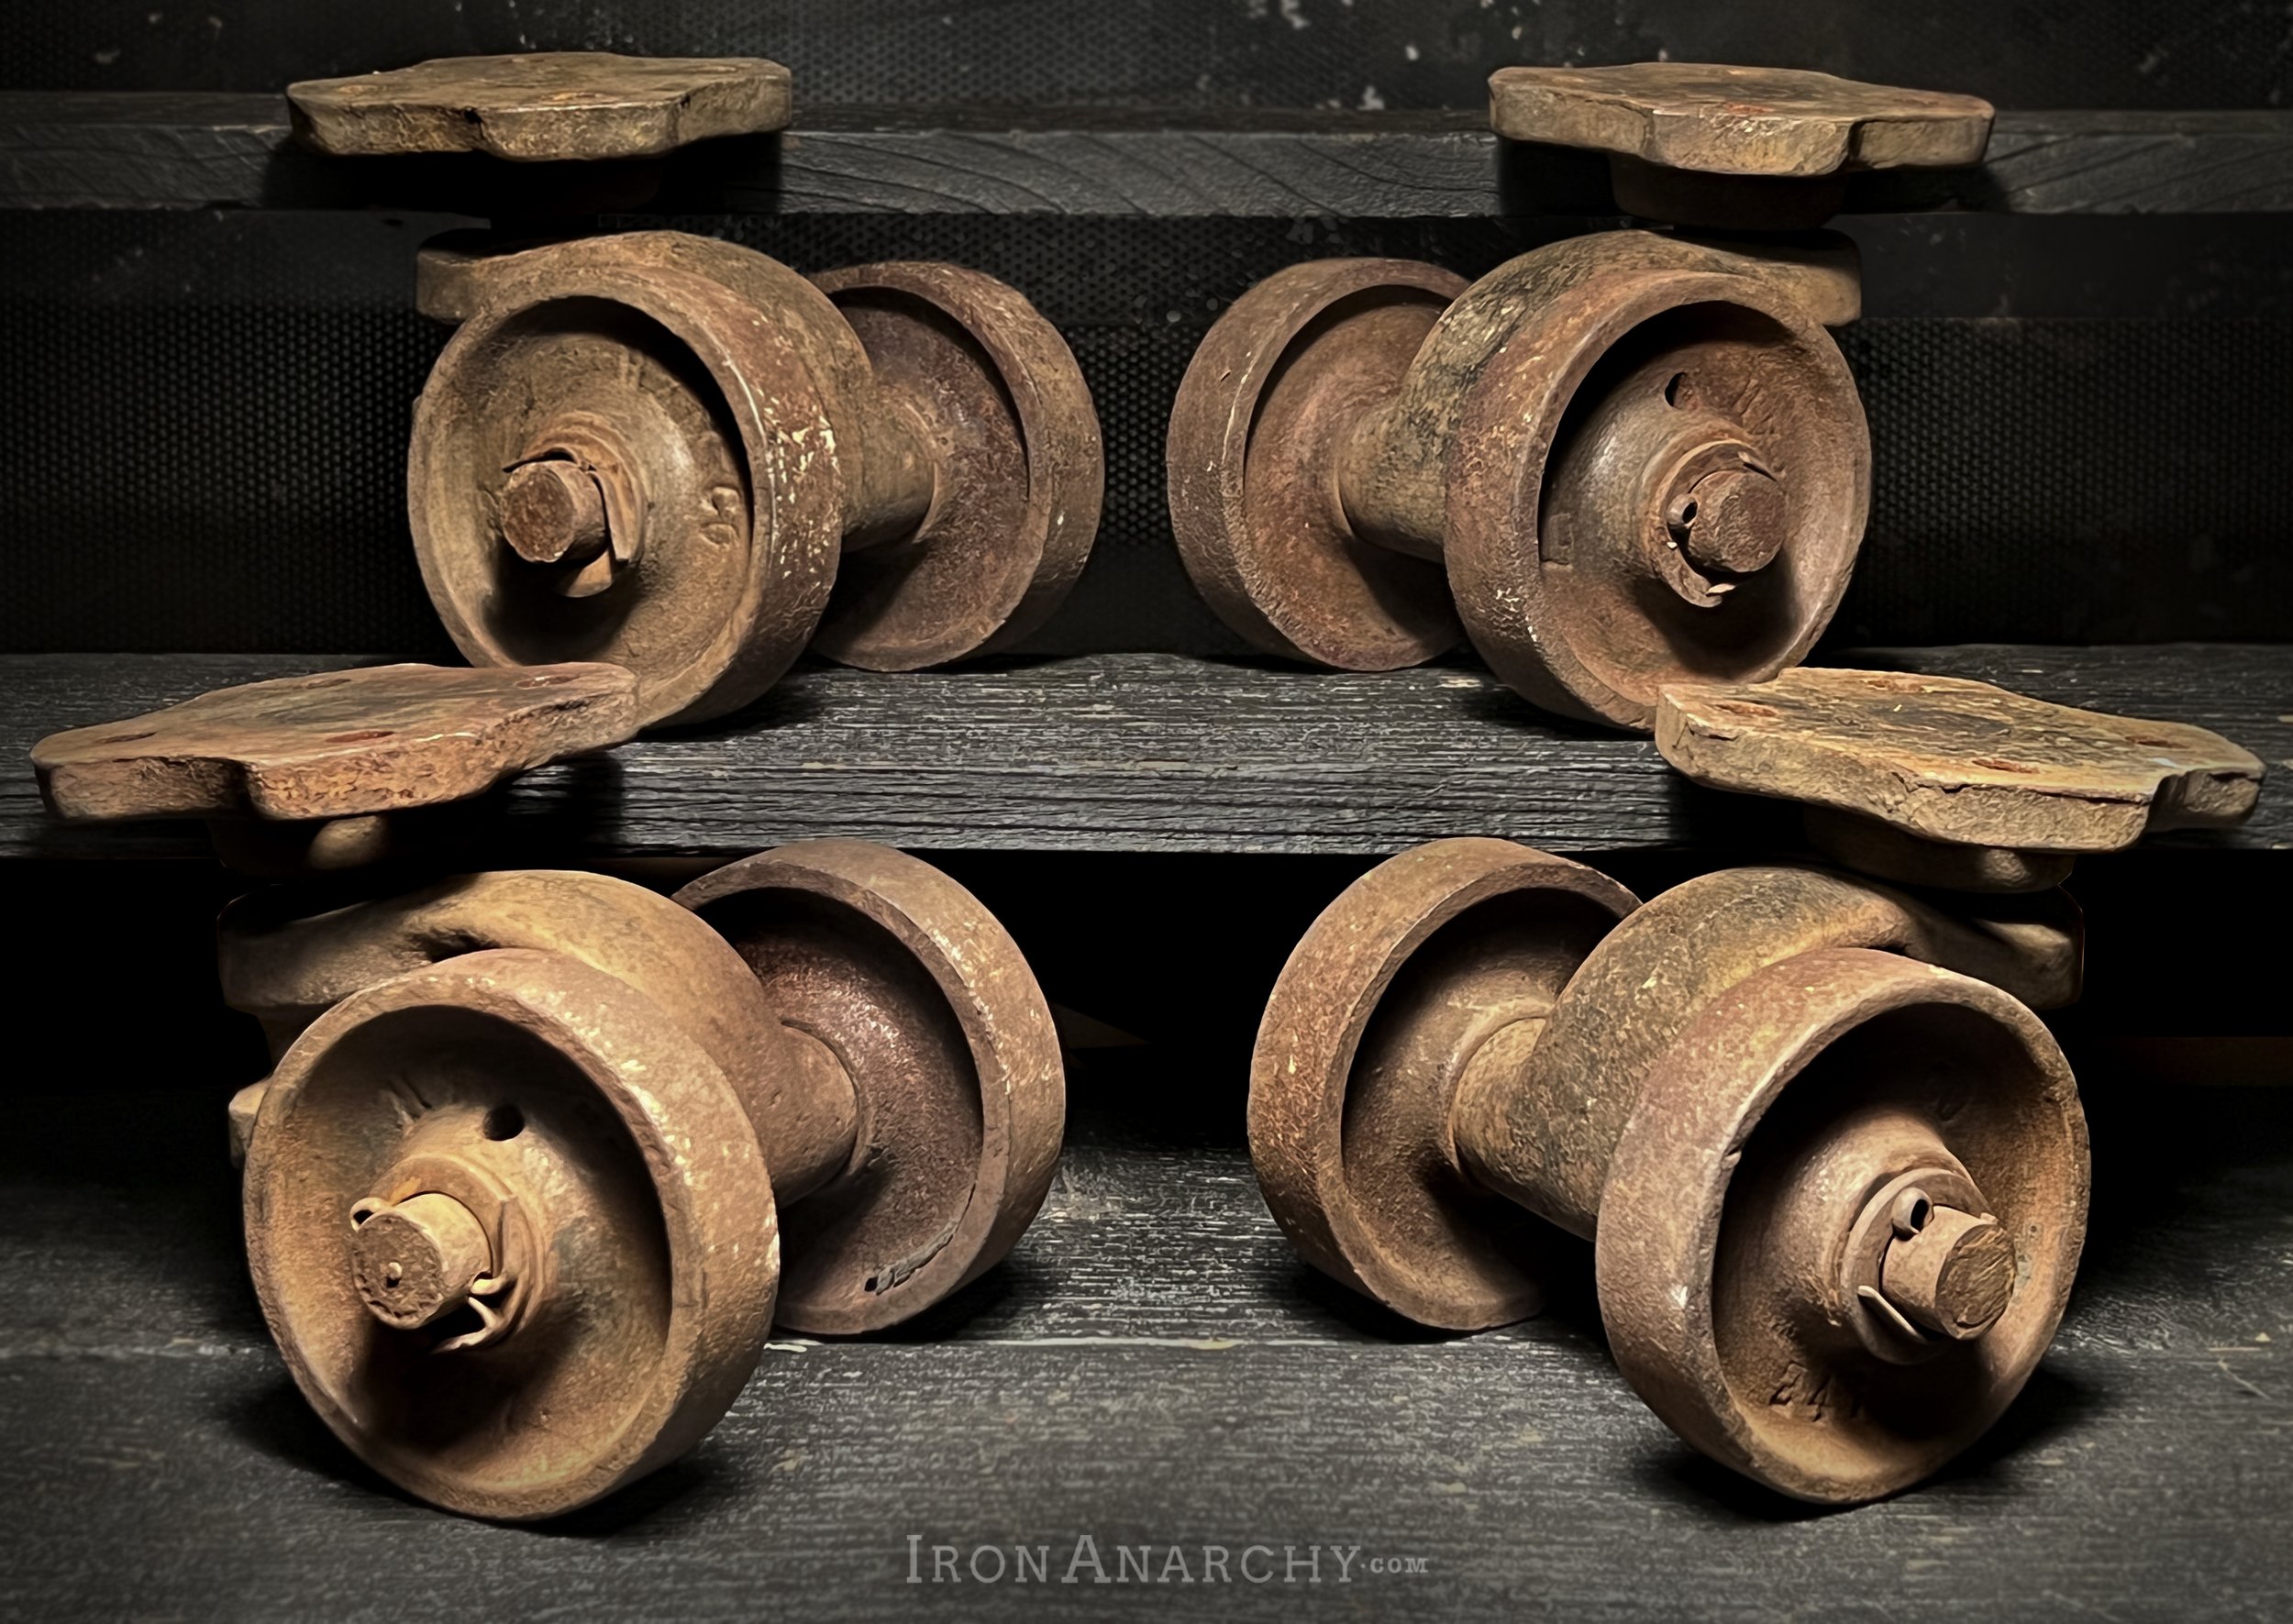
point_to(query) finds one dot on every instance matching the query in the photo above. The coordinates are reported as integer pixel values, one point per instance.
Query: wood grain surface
(149, 150)
(1151, 1367)
(1146, 753)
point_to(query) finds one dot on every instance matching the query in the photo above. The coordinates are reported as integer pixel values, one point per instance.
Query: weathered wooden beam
(1143, 753)
(72, 149)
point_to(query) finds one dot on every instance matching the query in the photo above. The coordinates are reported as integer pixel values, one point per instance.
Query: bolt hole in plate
(1009, 425)
(1444, 958)
(1788, 1103)
(624, 1216)
(918, 995)
(1265, 409)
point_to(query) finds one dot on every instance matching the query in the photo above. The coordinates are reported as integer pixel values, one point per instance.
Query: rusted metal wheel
(1639, 457)
(1839, 1231)
(1003, 409)
(893, 981)
(1255, 435)
(505, 1204)
(1660, 472)
(664, 451)
(1427, 981)
(1462, 1040)
(511, 1230)
(616, 458)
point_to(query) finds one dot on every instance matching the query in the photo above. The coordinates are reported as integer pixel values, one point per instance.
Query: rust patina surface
(542, 107)
(1833, 1167)
(1944, 781)
(544, 1154)
(678, 454)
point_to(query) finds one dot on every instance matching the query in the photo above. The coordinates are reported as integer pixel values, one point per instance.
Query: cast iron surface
(1957, 761)
(1937, 781)
(1146, 753)
(336, 743)
(1154, 1363)
(1627, 457)
(660, 448)
(541, 106)
(1718, 119)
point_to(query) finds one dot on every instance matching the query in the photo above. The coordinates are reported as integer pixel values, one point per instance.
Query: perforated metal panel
(203, 438)
(1201, 53)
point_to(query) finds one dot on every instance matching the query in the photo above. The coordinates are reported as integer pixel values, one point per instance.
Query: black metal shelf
(78, 149)
(1144, 752)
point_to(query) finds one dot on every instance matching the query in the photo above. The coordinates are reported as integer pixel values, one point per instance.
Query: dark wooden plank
(2109, 162)
(72, 150)
(1143, 753)
(1152, 1367)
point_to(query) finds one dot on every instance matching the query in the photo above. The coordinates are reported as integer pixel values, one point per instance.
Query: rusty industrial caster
(1833, 1167)
(677, 455)
(1617, 460)
(517, 1190)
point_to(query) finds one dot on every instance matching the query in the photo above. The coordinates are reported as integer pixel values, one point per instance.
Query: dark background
(1193, 54)
(2082, 427)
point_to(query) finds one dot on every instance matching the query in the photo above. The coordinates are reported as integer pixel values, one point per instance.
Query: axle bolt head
(554, 512)
(1732, 521)
(415, 1263)
(1948, 1272)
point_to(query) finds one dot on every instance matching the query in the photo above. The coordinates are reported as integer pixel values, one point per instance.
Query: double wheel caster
(1833, 1167)
(545, 1155)
(1614, 461)
(678, 456)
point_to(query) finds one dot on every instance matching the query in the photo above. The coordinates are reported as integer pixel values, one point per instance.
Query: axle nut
(1732, 523)
(1953, 1274)
(415, 1263)
(554, 512)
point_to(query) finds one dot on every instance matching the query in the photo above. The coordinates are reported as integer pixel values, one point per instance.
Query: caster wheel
(1841, 1229)
(893, 981)
(1639, 459)
(1479, 1049)
(505, 1204)
(616, 459)
(1254, 438)
(1657, 472)
(665, 451)
(1007, 419)
(1425, 982)
(511, 1230)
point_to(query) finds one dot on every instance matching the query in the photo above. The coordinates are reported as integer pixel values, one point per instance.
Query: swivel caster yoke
(1614, 461)
(1833, 1167)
